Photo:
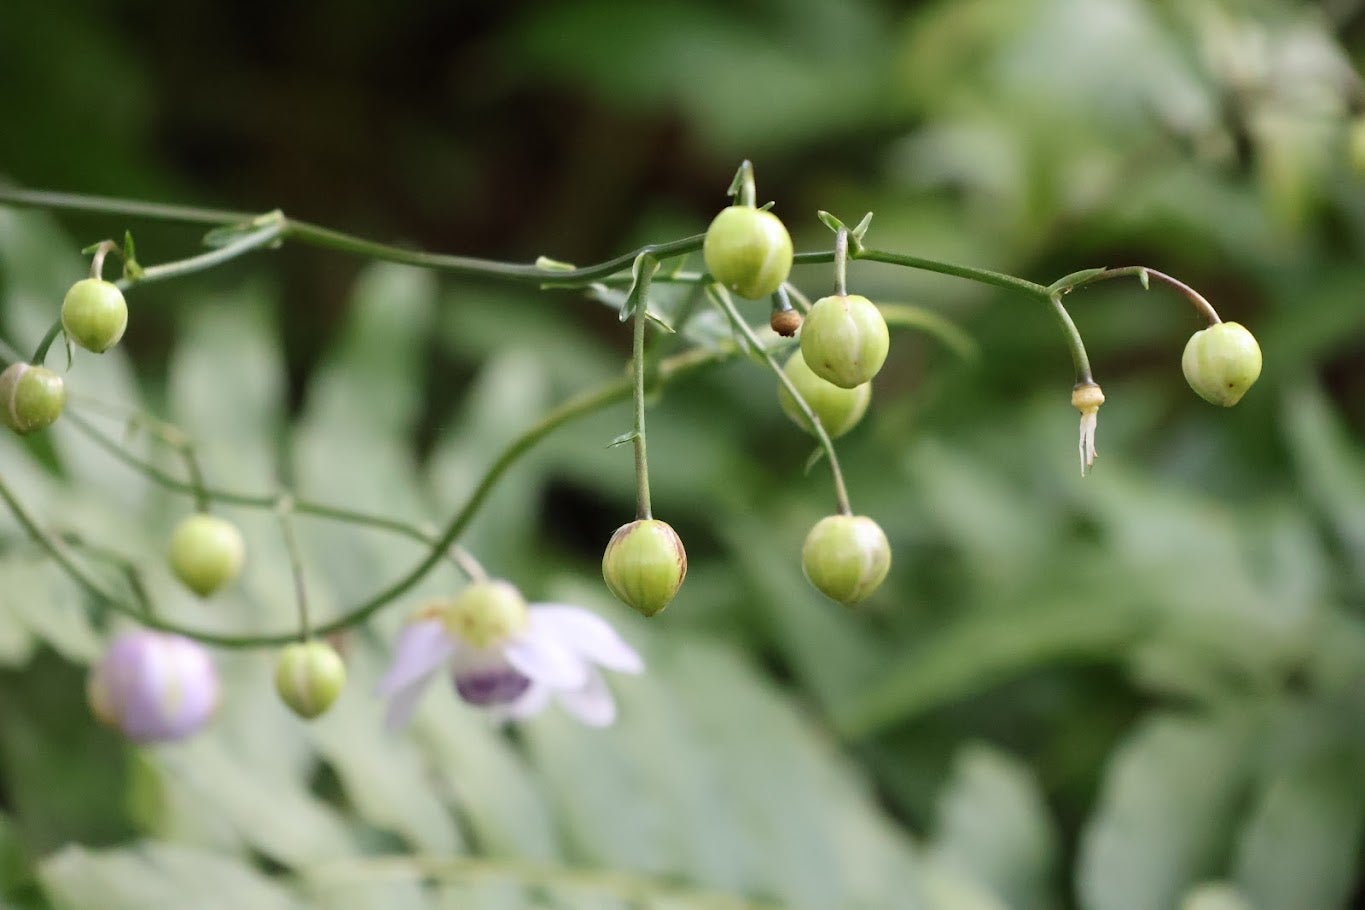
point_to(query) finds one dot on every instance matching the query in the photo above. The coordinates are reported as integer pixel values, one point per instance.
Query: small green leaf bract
(829, 221)
(624, 438)
(546, 264)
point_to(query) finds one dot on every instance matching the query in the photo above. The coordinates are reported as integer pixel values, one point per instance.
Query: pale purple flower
(154, 686)
(508, 657)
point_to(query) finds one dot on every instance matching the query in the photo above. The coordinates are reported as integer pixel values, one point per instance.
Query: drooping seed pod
(206, 552)
(1221, 362)
(748, 250)
(644, 565)
(31, 397)
(845, 340)
(846, 557)
(309, 676)
(839, 410)
(94, 314)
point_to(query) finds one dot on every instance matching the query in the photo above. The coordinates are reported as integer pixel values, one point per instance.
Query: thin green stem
(1079, 358)
(748, 190)
(78, 202)
(982, 276)
(285, 510)
(841, 262)
(439, 547)
(642, 504)
(40, 353)
(97, 261)
(1195, 298)
(727, 305)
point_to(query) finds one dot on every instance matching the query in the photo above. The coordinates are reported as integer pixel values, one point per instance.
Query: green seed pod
(486, 613)
(31, 398)
(309, 676)
(845, 340)
(1221, 362)
(644, 565)
(839, 410)
(206, 552)
(846, 557)
(748, 250)
(94, 314)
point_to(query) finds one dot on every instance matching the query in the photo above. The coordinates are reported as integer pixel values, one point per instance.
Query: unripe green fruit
(644, 564)
(844, 340)
(309, 676)
(486, 612)
(31, 398)
(748, 250)
(1221, 362)
(846, 557)
(206, 552)
(94, 314)
(839, 409)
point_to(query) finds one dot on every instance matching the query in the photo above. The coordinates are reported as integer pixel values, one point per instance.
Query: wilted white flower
(1086, 397)
(508, 656)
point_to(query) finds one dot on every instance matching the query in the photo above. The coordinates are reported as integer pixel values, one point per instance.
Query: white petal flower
(509, 657)
(1087, 398)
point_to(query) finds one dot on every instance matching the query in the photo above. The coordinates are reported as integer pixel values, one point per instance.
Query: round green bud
(94, 314)
(31, 398)
(748, 250)
(644, 565)
(844, 340)
(309, 676)
(1221, 362)
(846, 557)
(839, 409)
(206, 552)
(486, 613)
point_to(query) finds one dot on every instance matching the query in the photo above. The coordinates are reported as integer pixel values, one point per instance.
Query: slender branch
(79, 202)
(841, 262)
(570, 410)
(982, 276)
(285, 510)
(1079, 358)
(722, 297)
(642, 504)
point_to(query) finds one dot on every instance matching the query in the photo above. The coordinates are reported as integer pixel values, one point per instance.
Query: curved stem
(1079, 358)
(40, 353)
(981, 276)
(1195, 298)
(572, 409)
(727, 305)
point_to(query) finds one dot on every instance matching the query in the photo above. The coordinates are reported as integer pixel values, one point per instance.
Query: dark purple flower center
(497, 686)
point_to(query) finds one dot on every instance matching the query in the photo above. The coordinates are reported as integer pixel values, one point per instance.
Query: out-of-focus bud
(309, 676)
(153, 686)
(206, 552)
(31, 397)
(839, 409)
(485, 613)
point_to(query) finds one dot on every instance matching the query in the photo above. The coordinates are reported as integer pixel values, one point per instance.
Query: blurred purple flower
(153, 686)
(512, 665)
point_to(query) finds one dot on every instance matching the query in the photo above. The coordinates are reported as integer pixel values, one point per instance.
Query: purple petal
(591, 703)
(491, 686)
(540, 656)
(402, 704)
(531, 703)
(423, 648)
(588, 634)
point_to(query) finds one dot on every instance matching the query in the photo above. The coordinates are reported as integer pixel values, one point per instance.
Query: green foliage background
(1111, 694)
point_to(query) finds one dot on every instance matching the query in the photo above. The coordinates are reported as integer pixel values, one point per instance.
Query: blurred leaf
(1302, 842)
(154, 875)
(1169, 797)
(993, 828)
